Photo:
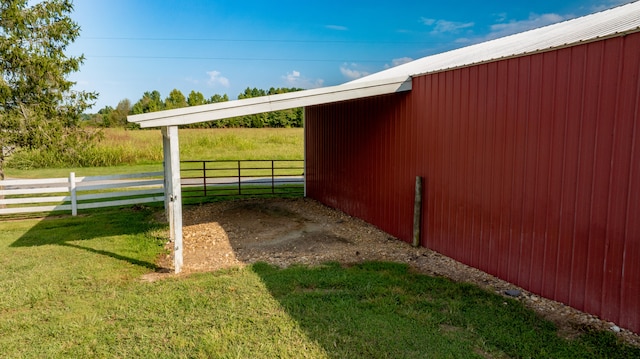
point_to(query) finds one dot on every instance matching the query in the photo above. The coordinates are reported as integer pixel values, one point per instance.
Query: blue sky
(218, 47)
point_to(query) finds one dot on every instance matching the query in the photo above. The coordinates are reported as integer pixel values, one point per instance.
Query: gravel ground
(288, 231)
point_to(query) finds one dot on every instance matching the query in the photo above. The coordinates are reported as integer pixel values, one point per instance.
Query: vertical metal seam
(629, 192)
(490, 148)
(513, 168)
(482, 111)
(552, 120)
(524, 171)
(467, 184)
(595, 155)
(578, 161)
(457, 79)
(616, 119)
(474, 208)
(503, 213)
(535, 174)
(449, 123)
(565, 118)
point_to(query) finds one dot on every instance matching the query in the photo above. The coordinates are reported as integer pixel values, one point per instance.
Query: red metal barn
(531, 167)
(529, 146)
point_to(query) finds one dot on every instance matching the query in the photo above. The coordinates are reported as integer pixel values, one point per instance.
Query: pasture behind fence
(70, 194)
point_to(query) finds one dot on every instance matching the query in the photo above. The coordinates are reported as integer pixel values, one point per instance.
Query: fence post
(73, 192)
(417, 212)
(239, 180)
(204, 177)
(273, 184)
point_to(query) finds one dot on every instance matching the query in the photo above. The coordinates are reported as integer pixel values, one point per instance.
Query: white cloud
(501, 17)
(445, 26)
(216, 78)
(506, 28)
(295, 79)
(609, 4)
(398, 61)
(427, 21)
(352, 72)
(516, 26)
(463, 40)
(337, 27)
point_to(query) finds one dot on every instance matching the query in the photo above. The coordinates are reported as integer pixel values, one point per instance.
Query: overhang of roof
(250, 106)
(617, 21)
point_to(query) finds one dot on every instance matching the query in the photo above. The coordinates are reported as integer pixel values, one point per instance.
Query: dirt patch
(289, 231)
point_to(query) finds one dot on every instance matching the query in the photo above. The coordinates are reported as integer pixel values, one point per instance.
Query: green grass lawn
(71, 287)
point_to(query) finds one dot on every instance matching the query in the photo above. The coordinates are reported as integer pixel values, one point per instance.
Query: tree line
(152, 101)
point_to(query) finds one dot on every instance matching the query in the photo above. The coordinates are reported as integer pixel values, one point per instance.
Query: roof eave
(250, 106)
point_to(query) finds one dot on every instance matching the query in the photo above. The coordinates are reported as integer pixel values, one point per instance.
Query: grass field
(72, 287)
(141, 151)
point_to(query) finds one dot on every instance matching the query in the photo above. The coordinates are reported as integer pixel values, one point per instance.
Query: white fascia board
(250, 106)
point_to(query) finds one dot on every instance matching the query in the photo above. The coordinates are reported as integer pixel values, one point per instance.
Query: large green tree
(196, 98)
(175, 100)
(38, 107)
(150, 102)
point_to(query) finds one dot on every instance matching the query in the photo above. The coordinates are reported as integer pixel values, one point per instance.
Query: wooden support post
(417, 212)
(173, 191)
(166, 156)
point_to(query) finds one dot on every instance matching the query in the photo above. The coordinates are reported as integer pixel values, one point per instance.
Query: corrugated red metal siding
(531, 165)
(361, 174)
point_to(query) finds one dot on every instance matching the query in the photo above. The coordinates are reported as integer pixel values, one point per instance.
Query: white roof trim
(613, 22)
(250, 106)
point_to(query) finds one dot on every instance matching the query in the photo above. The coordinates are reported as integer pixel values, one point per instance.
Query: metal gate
(209, 178)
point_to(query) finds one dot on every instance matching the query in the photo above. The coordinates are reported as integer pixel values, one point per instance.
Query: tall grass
(242, 144)
(120, 147)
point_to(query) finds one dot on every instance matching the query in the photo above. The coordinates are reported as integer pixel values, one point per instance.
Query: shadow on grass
(384, 310)
(70, 231)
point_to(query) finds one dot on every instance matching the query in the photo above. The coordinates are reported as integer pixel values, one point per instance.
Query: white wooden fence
(74, 193)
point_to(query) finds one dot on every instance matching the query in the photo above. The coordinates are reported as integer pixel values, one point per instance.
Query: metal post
(204, 177)
(239, 180)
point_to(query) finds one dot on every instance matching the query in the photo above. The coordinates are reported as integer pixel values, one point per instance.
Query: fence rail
(16, 196)
(199, 179)
(241, 177)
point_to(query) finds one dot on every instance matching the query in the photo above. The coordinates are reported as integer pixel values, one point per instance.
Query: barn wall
(352, 152)
(531, 165)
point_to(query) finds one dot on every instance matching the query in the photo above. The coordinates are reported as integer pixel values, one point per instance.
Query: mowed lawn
(74, 288)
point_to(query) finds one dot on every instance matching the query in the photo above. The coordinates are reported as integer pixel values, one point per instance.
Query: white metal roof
(613, 22)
